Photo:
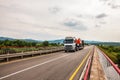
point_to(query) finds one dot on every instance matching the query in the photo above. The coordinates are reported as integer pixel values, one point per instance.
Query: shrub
(45, 43)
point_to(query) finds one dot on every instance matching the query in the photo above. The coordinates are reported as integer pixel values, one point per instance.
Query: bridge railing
(111, 70)
(31, 53)
(86, 71)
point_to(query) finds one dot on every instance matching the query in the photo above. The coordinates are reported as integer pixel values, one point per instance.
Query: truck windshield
(68, 41)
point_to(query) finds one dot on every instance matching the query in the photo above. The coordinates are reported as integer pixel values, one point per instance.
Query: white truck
(73, 44)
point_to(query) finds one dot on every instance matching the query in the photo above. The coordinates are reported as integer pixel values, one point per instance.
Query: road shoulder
(97, 72)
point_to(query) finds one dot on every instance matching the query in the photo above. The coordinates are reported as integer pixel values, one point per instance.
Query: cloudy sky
(55, 19)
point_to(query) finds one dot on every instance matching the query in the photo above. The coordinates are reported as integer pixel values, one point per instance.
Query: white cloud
(47, 19)
(54, 10)
(74, 24)
(101, 15)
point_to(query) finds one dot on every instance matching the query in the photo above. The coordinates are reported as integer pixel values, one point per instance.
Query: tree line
(16, 46)
(22, 43)
(17, 43)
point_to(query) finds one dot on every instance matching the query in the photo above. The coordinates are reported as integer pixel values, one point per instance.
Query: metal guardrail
(111, 70)
(86, 71)
(86, 76)
(32, 53)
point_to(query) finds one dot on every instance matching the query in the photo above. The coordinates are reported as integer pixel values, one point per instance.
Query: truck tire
(74, 50)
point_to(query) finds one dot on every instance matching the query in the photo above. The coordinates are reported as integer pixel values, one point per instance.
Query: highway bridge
(60, 65)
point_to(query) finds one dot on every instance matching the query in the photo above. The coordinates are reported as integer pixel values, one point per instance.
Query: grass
(113, 52)
(11, 50)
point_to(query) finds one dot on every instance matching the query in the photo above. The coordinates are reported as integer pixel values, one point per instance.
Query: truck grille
(68, 47)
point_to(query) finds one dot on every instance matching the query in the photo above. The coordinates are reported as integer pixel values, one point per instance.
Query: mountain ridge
(92, 42)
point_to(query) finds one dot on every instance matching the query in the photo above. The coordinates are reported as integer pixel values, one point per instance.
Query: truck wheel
(74, 50)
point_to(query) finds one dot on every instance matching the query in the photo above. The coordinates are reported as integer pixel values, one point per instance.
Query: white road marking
(31, 67)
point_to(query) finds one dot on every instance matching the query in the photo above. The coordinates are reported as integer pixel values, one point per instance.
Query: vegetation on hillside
(15, 46)
(113, 52)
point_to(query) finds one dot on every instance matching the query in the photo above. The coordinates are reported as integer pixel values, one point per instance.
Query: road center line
(78, 68)
(31, 67)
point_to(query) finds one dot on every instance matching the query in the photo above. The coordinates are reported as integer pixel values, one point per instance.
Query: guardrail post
(7, 57)
(39, 52)
(22, 55)
(33, 53)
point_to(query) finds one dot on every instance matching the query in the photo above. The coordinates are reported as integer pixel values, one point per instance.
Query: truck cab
(70, 44)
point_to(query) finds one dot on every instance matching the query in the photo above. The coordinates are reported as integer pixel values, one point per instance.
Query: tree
(7, 43)
(45, 43)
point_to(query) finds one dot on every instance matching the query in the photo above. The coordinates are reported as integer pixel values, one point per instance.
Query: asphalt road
(56, 66)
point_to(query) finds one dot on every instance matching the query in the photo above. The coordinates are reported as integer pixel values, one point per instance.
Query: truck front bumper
(69, 47)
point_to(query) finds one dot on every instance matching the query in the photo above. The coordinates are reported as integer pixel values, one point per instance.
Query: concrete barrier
(6, 57)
